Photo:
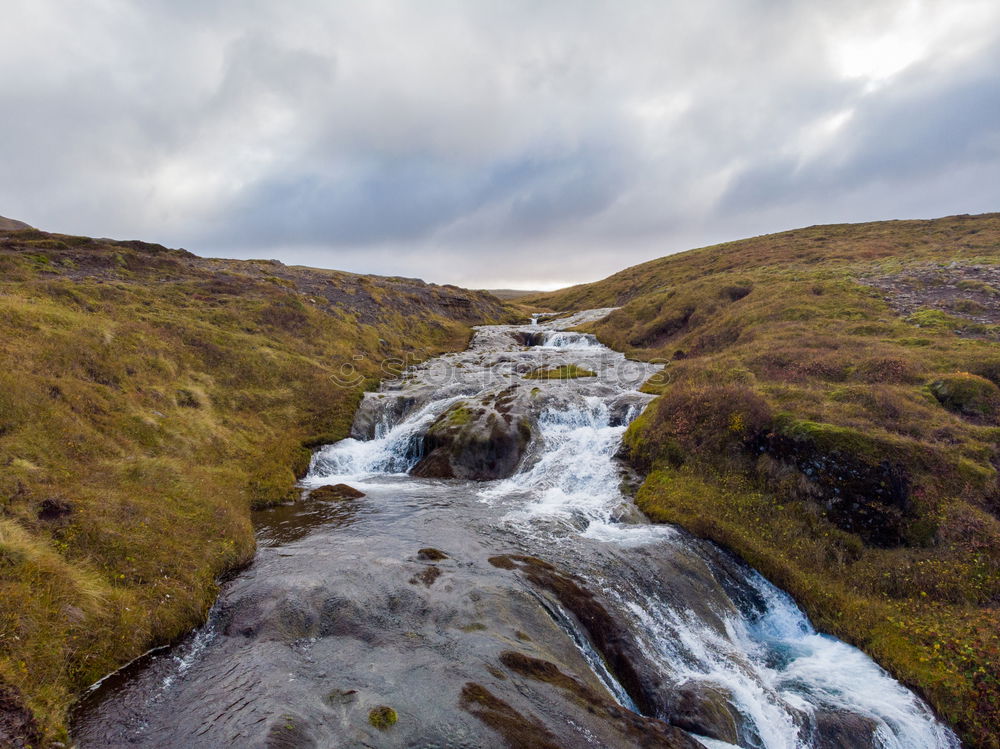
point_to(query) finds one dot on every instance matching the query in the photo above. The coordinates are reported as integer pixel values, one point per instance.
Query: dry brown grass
(148, 400)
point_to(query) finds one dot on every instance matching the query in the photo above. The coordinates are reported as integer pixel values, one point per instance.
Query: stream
(534, 607)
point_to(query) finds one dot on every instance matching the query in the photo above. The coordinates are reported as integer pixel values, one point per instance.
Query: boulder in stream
(474, 441)
(707, 711)
(837, 728)
(336, 491)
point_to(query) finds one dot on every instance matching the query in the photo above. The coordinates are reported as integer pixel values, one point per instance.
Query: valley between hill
(831, 412)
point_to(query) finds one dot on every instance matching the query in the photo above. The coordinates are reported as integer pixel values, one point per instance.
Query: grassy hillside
(148, 400)
(9, 224)
(830, 411)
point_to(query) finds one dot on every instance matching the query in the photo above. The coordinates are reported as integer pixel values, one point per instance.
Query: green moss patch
(564, 372)
(968, 395)
(383, 717)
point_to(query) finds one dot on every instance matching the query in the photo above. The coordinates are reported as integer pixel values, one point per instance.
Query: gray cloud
(492, 142)
(922, 130)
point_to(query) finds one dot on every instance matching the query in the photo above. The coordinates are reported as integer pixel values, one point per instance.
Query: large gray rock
(379, 412)
(474, 441)
(706, 710)
(841, 728)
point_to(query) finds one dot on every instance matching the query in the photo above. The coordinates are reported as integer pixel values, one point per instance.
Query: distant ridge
(508, 294)
(9, 224)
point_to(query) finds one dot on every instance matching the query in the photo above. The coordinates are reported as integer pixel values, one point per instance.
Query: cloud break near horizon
(492, 144)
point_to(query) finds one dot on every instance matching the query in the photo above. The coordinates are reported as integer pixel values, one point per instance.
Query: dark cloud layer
(506, 143)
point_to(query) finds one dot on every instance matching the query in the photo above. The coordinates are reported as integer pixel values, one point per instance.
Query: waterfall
(394, 450)
(575, 478)
(779, 672)
(564, 340)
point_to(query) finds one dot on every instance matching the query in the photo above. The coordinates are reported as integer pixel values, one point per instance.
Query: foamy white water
(564, 340)
(394, 450)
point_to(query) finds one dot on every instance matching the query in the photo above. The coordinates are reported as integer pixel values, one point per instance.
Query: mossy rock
(431, 554)
(382, 717)
(480, 444)
(336, 491)
(968, 395)
(858, 479)
(831, 437)
(565, 372)
(459, 416)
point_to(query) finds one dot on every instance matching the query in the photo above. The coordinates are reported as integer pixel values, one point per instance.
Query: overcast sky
(507, 143)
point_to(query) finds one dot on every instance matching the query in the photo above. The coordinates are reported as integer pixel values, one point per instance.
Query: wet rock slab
(303, 648)
(335, 491)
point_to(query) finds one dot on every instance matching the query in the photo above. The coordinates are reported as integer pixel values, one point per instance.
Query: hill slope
(148, 399)
(830, 410)
(9, 224)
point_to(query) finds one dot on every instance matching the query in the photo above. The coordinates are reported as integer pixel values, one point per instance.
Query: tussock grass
(792, 381)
